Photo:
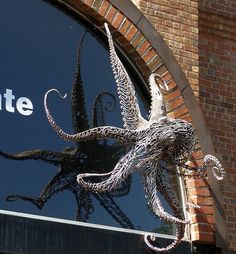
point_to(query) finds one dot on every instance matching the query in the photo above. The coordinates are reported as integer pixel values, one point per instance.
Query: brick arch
(148, 52)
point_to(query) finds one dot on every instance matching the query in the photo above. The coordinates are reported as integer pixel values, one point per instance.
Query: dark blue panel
(24, 235)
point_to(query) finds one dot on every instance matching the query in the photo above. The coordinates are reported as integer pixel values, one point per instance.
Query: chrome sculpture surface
(80, 158)
(155, 144)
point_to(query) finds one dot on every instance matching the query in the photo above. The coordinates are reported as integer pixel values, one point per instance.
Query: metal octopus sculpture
(79, 159)
(155, 144)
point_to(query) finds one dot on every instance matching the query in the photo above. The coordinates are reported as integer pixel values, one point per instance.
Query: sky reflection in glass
(38, 52)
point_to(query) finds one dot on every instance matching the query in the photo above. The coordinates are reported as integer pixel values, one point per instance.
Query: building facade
(201, 35)
(192, 45)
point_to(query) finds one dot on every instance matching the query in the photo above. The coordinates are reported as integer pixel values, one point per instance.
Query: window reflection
(39, 54)
(81, 158)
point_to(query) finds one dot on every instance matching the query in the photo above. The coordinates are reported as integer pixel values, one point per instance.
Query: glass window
(38, 169)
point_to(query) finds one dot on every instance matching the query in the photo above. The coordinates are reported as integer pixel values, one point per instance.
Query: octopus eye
(172, 137)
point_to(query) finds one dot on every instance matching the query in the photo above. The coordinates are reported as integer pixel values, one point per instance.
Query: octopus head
(184, 139)
(167, 137)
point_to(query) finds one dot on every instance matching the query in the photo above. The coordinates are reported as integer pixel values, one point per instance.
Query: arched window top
(39, 45)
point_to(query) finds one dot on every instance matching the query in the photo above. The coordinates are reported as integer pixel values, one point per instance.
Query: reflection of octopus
(156, 142)
(75, 160)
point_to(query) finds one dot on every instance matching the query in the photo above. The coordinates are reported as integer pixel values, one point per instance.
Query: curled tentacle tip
(217, 168)
(79, 178)
(62, 96)
(218, 173)
(164, 85)
(152, 237)
(149, 238)
(65, 95)
(57, 91)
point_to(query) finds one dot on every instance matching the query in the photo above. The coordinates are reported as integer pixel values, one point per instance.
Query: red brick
(176, 103)
(97, 4)
(102, 10)
(181, 111)
(125, 26)
(197, 154)
(138, 40)
(197, 183)
(206, 228)
(167, 76)
(150, 54)
(161, 71)
(173, 95)
(154, 63)
(202, 237)
(133, 30)
(187, 118)
(172, 86)
(202, 218)
(88, 2)
(111, 14)
(202, 192)
(143, 48)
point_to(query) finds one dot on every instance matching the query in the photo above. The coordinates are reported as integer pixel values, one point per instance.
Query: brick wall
(177, 22)
(217, 52)
(202, 36)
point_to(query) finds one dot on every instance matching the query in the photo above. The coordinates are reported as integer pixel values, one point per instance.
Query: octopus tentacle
(56, 184)
(36, 201)
(158, 139)
(123, 189)
(83, 199)
(122, 170)
(78, 109)
(217, 168)
(85, 205)
(170, 196)
(129, 106)
(98, 108)
(91, 134)
(55, 158)
(113, 209)
(179, 235)
(164, 187)
(158, 107)
(150, 187)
